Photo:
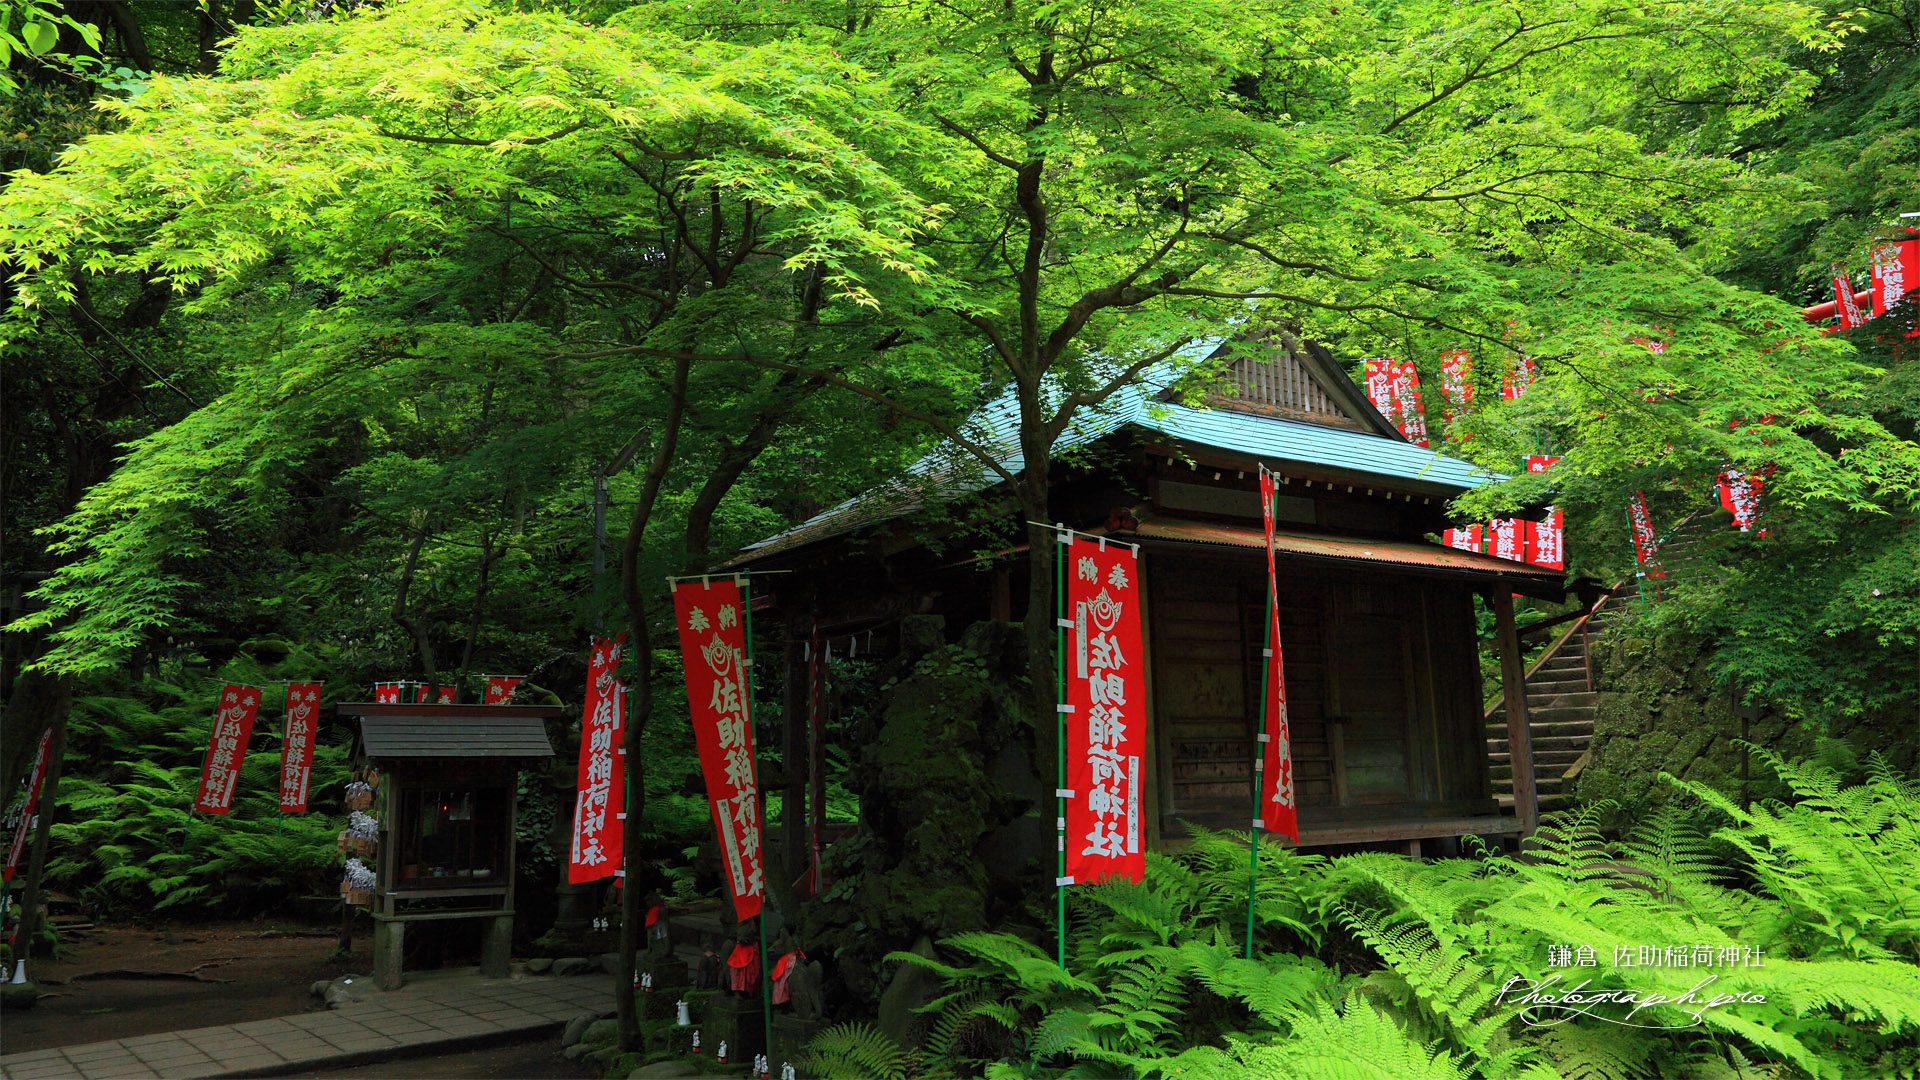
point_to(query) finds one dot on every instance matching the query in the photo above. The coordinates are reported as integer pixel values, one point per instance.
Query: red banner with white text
(1467, 539)
(1896, 271)
(386, 693)
(1277, 810)
(1507, 539)
(1412, 417)
(600, 797)
(500, 689)
(296, 745)
(443, 697)
(226, 748)
(1456, 384)
(1518, 378)
(1845, 307)
(1546, 539)
(1379, 380)
(1106, 714)
(1740, 495)
(713, 649)
(28, 815)
(1646, 542)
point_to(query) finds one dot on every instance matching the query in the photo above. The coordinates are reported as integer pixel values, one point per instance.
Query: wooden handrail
(1495, 703)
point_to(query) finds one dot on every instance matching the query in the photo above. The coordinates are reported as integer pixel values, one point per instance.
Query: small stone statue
(809, 1001)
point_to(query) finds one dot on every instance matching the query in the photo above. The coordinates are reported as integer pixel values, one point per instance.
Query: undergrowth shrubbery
(1371, 965)
(134, 758)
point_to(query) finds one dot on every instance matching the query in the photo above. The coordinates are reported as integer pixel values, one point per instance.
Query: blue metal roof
(949, 472)
(1275, 441)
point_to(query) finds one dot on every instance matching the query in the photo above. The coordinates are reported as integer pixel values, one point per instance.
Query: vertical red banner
(1547, 540)
(1519, 377)
(1646, 542)
(1740, 495)
(1507, 538)
(1456, 384)
(1467, 539)
(1379, 378)
(28, 811)
(296, 745)
(226, 748)
(1896, 272)
(1106, 714)
(1278, 809)
(386, 693)
(1412, 418)
(600, 796)
(1845, 307)
(500, 689)
(713, 649)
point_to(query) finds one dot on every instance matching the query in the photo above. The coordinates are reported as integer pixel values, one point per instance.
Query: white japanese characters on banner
(1456, 384)
(500, 689)
(1467, 539)
(1845, 307)
(1412, 416)
(1740, 495)
(1547, 538)
(600, 797)
(1646, 542)
(296, 747)
(713, 649)
(227, 748)
(1507, 539)
(1895, 269)
(1519, 377)
(386, 693)
(1379, 379)
(1105, 714)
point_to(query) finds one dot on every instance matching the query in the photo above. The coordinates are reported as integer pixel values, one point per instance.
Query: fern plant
(1157, 986)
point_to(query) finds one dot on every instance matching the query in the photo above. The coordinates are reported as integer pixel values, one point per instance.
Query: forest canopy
(331, 331)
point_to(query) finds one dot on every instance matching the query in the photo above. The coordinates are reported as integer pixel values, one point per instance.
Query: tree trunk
(632, 912)
(419, 629)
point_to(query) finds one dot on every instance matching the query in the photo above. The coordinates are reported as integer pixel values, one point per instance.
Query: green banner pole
(1061, 555)
(1259, 762)
(766, 986)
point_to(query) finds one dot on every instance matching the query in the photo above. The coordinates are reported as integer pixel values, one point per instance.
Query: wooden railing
(1494, 704)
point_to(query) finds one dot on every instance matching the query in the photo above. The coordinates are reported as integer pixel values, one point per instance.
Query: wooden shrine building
(1378, 621)
(446, 803)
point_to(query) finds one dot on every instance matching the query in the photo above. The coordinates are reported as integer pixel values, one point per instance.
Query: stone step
(1563, 663)
(1544, 749)
(1570, 699)
(1542, 733)
(1539, 688)
(1581, 724)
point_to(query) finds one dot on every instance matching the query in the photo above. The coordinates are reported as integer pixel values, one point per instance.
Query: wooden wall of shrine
(1382, 687)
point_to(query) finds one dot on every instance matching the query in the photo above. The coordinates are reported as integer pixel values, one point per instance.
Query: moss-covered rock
(948, 780)
(1659, 710)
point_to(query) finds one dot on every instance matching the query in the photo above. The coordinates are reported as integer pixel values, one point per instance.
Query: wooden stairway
(1560, 709)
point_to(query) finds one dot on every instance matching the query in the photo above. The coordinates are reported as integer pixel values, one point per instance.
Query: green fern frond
(856, 1052)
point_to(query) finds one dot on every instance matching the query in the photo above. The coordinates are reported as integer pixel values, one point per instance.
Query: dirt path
(268, 967)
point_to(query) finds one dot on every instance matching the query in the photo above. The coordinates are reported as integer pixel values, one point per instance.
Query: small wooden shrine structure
(447, 804)
(1378, 620)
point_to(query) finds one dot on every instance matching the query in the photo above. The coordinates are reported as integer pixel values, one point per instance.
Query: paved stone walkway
(433, 1013)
